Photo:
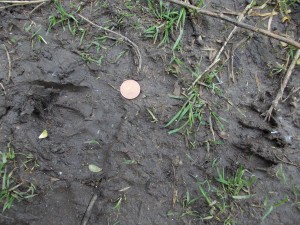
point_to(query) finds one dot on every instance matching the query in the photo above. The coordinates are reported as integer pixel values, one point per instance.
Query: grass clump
(217, 200)
(63, 18)
(36, 35)
(284, 7)
(197, 111)
(191, 112)
(12, 188)
(168, 20)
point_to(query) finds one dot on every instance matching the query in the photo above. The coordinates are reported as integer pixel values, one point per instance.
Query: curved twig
(89, 210)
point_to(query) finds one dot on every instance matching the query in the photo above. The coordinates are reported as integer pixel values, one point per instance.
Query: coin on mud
(130, 89)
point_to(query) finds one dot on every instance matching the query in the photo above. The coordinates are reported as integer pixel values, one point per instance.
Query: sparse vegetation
(13, 188)
(169, 21)
(197, 112)
(35, 34)
(63, 18)
(284, 7)
(220, 201)
(130, 136)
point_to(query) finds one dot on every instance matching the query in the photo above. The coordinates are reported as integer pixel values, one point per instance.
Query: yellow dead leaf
(44, 134)
(283, 44)
(298, 62)
(286, 19)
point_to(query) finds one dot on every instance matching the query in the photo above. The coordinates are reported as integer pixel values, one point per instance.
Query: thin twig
(294, 90)
(207, 70)
(239, 24)
(287, 162)
(230, 66)
(89, 210)
(18, 3)
(23, 2)
(9, 63)
(282, 86)
(3, 88)
(270, 20)
(211, 125)
(36, 8)
(135, 47)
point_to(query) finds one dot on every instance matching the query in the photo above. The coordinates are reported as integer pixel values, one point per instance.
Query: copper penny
(130, 89)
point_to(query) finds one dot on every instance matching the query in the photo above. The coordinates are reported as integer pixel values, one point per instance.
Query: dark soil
(53, 88)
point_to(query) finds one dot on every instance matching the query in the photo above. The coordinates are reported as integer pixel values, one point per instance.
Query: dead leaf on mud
(53, 179)
(44, 134)
(95, 169)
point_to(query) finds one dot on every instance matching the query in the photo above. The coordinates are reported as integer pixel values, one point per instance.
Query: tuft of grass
(191, 112)
(217, 203)
(119, 56)
(90, 59)
(35, 34)
(63, 18)
(281, 175)
(284, 7)
(233, 186)
(175, 66)
(196, 111)
(168, 20)
(270, 207)
(296, 193)
(98, 43)
(11, 188)
(118, 204)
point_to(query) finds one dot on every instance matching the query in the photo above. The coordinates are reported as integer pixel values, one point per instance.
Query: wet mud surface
(89, 122)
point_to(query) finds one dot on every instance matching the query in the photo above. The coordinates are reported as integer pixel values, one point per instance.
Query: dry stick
(282, 86)
(230, 66)
(135, 47)
(89, 210)
(270, 20)
(3, 88)
(287, 162)
(9, 62)
(211, 126)
(18, 3)
(207, 70)
(36, 8)
(292, 92)
(239, 24)
(23, 2)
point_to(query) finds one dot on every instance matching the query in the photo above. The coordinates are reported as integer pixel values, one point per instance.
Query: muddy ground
(145, 169)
